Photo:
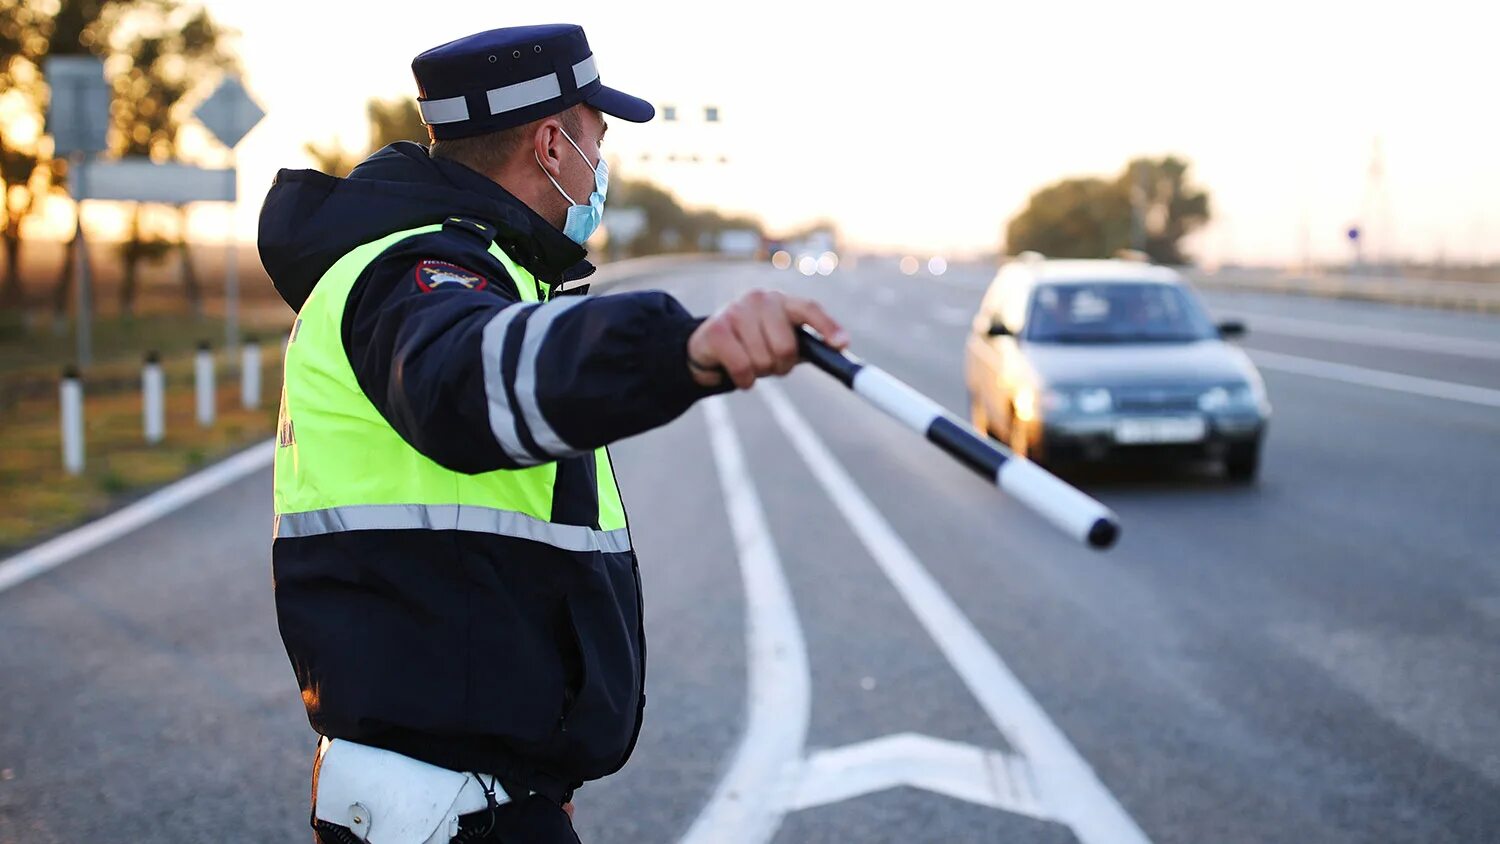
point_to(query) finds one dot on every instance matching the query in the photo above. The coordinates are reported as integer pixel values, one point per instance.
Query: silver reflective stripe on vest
(502, 416)
(536, 333)
(466, 517)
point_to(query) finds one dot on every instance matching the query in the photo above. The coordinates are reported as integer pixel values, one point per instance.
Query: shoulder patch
(434, 275)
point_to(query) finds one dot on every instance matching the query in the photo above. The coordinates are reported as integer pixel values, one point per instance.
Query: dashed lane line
(1377, 378)
(1368, 336)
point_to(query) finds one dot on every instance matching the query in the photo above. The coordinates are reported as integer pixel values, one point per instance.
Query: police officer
(454, 576)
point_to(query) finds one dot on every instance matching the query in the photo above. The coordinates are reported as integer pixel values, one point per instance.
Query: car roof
(1093, 271)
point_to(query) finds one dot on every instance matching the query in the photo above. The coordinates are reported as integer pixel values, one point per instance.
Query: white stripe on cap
(523, 94)
(450, 110)
(585, 72)
(510, 97)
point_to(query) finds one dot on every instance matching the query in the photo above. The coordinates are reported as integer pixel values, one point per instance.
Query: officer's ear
(547, 144)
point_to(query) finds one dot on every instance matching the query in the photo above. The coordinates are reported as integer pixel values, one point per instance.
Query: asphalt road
(1313, 658)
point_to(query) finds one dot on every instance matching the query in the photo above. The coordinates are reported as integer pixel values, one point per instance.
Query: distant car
(1074, 361)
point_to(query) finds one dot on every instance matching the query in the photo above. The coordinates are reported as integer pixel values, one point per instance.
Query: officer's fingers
(747, 316)
(807, 312)
(731, 354)
(780, 340)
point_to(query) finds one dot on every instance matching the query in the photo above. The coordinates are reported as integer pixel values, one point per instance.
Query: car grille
(1155, 399)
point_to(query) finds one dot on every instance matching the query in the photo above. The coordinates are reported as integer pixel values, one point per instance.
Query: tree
(390, 120)
(1169, 208)
(22, 41)
(1096, 218)
(169, 49)
(156, 51)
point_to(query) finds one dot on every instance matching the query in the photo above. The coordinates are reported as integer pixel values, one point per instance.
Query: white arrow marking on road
(1067, 786)
(745, 806)
(961, 771)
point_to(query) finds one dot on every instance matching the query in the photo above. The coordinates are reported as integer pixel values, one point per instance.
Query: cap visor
(622, 105)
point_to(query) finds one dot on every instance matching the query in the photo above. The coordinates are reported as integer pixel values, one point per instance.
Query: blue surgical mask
(583, 219)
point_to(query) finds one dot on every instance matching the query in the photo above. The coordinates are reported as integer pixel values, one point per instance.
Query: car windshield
(1115, 312)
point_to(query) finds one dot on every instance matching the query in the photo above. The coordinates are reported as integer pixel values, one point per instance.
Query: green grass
(42, 499)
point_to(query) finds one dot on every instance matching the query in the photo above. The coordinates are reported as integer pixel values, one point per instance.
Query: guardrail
(1479, 297)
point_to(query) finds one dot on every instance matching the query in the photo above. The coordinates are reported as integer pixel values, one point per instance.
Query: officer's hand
(755, 335)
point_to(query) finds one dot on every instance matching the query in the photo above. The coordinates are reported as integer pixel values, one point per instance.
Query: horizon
(1278, 115)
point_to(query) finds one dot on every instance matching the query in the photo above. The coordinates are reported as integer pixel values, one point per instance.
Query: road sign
(624, 224)
(143, 180)
(78, 111)
(229, 112)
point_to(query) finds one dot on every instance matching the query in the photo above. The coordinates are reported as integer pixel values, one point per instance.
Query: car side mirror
(1231, 328)
(998, 329)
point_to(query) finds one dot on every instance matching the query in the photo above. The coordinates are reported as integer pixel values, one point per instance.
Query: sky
(925, 126)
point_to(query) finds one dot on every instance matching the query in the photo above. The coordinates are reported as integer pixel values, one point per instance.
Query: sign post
(229, 113)
(78, 121)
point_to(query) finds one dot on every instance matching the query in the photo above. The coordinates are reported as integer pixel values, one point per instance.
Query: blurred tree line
(1149, 207)
(669, 227)
(157, 53)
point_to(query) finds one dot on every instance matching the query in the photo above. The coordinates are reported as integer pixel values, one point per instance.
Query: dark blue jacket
(471, 651)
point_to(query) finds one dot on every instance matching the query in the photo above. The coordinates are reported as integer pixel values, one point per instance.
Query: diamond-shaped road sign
(229, 112)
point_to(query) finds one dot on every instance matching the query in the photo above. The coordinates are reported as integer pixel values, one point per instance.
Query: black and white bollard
(153, 399)
(203, 384)
(250, 374)
(1075, 513)
(70, 395)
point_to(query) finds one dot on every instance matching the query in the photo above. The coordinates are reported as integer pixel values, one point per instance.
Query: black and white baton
(1075, 513)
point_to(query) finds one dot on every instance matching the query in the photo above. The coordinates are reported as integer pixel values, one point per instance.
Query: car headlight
(1097, 400)
(1237, 397)
(1029, 403)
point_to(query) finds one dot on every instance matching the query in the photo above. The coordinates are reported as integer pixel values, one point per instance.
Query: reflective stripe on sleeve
(464, 517)
(526, 377)
(502, 415)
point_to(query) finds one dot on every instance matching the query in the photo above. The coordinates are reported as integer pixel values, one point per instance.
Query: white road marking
(1067, 786)
(952, 315)
(748, 803)
(1368, 336)
(1378, 378)
(53, 553)
(961, 771)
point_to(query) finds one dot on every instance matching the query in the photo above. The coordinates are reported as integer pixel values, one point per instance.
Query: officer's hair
(490, 152)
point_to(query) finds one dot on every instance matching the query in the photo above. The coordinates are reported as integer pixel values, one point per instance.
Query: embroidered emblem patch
(434, 275)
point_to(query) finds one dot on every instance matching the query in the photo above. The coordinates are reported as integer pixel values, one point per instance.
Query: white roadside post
(153, 399)
(250, 374)
(71, 395)
(203, 383)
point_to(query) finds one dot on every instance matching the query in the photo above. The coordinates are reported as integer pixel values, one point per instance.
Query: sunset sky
(924, 126)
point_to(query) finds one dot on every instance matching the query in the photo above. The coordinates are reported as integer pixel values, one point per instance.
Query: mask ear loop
(552, 180)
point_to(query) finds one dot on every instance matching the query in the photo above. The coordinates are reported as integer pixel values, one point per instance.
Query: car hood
(1121, 365)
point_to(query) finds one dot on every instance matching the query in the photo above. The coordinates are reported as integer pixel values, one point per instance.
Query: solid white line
(1378, 378)
(53, 553)
(749, 802)
(1067, 787)
(952, 315)
(1368, 336)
